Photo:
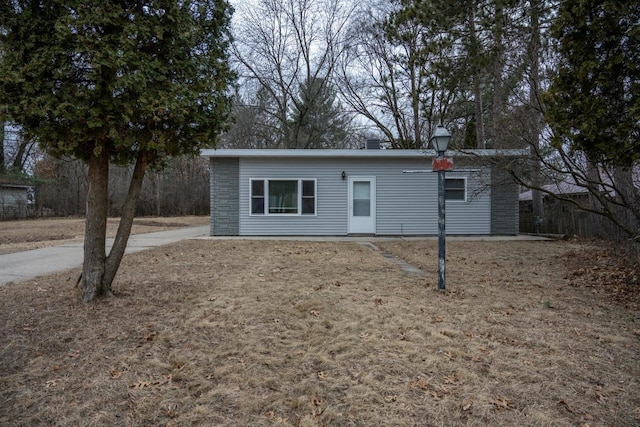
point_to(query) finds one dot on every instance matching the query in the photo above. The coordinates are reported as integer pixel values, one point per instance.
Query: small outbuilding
(352, 192)
(15, 199)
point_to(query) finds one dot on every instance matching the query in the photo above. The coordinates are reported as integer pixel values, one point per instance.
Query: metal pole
(441, 232)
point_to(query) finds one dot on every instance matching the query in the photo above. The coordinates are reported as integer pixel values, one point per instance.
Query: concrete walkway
(29, 264)
(26, 265)
(367, 238)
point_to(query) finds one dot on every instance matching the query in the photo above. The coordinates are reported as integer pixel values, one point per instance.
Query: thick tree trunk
(96, 227)
(2, 168)
(477, 91)
(158, 194)
(22, 155)
(477, 95)
(497, 106)
(126, 222)
(415, 107)
(535, 116)
(629, 197)
(628, 193)
(595, 202)
(537, 203)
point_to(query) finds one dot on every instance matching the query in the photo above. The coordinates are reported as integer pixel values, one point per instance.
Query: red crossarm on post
(442, 164)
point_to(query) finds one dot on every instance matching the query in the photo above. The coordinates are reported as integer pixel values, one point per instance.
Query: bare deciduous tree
(281, 46)
(387, 77)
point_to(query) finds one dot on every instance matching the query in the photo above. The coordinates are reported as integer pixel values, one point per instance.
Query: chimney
(372, 144)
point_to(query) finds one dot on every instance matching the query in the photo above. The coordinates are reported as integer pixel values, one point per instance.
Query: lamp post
(440, 141)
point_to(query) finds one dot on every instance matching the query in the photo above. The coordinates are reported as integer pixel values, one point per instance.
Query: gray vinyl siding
(406, 203)
(472, 216)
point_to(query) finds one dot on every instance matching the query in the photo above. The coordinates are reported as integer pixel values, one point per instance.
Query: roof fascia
(355, 154)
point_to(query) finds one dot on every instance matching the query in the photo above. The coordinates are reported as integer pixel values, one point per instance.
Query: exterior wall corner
(224, 187)
(504, 203)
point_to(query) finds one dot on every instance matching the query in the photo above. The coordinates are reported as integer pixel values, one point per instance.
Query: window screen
(455, 189)
(257, 197)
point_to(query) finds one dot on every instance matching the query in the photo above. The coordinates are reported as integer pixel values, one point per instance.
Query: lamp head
(440, 139)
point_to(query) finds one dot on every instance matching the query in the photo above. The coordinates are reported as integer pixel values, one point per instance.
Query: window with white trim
(283, 197)
(455, 189)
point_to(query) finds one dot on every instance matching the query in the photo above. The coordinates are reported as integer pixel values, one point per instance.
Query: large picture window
(455, 189)
(283, 197)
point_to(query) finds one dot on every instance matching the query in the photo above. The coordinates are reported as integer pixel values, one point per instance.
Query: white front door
(362, 205)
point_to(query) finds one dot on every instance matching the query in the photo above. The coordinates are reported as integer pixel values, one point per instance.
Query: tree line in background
(180, 188)
(558, 78)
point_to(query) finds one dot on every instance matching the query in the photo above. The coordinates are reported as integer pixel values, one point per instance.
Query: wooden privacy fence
(564, 218)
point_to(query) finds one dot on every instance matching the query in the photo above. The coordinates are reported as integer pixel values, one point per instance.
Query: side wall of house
(406, 202)
(505, 218)
(224, 179)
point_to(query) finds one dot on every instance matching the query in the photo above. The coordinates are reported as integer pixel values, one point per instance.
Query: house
(347, 192)
(15, 199)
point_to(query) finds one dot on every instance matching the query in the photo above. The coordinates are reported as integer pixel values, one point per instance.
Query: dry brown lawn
(283, 333)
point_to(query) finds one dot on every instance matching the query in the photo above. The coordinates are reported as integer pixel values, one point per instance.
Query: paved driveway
(29, 264)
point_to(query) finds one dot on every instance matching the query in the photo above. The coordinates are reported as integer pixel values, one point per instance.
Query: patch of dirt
(24, 235)
(266, 333)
